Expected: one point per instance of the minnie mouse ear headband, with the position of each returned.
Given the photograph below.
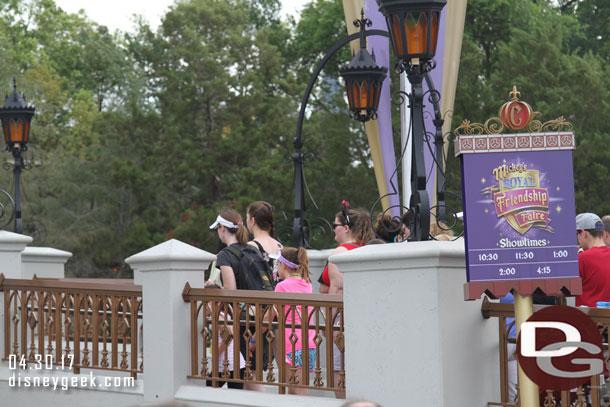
(344, 210)
(222, 221)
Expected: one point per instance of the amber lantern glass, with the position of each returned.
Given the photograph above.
(413, 27)
(16, 116)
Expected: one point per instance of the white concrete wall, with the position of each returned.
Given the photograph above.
(95, 394)
(45, 262)
(11, 246)
(198, 396)
(317, 261)
(411, 339)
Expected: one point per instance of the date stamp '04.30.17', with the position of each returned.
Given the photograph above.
(42, 372)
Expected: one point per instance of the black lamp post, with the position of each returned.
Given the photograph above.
(413, 26)
(365, 79)
(16, 117)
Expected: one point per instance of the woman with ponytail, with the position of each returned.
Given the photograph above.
(293, 270)
(352, 230)
(232, 232)
(260, 222)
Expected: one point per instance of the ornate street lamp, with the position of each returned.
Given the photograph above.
(363, 78)
(16, 117)
(413, 26)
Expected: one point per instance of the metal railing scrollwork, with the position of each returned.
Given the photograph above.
(266, 323)
(94, 325)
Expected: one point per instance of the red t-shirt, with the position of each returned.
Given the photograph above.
(594, 267)
(325, 278)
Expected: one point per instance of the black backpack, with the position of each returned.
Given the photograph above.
(254, 272)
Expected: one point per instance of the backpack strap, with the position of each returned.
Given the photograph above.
(260, 247)
(236, 252)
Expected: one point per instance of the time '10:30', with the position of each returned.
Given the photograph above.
(494, 256)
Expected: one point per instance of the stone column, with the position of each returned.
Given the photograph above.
(317, 261)
(410, 338)
(11, 246)
(45, 262)
(163, 271)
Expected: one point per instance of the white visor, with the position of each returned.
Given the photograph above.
(222, 221)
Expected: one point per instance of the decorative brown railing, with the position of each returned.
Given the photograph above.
(583, 396)
(219, 317)
(73, 324)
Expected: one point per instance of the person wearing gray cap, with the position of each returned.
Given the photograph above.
(593, 261)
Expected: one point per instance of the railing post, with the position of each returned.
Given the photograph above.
(409, 334)
(11, 246)
(163, 271)
(45, 262)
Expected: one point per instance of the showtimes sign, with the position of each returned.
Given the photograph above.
(519, 210)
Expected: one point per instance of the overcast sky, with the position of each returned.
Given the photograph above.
(118, 13)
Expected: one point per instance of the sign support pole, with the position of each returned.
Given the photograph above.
(528, 391)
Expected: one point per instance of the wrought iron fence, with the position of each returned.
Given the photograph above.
(594, 394)
(92, 325)
(277, 321)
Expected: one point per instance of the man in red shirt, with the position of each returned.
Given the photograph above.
(593, 261)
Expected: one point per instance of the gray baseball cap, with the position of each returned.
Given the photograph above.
(588, 220)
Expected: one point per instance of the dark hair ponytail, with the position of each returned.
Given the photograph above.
(262, 213)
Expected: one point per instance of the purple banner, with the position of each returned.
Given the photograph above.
(381, 47)
(519, 215)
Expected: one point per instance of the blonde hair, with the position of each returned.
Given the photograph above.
(298, 257)
(241, 233)
(440, 231)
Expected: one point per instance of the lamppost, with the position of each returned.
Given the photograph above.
(413, 30)
(16, 116)
(364, 79)
(413, 26)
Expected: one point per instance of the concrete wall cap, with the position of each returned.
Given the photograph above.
(171, 250)
(453, 250)
(46, 254)
(318, 255)
(230, 398)
(10, 237)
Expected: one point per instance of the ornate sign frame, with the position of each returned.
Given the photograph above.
(519, 210)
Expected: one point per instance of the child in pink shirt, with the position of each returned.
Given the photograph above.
(293, 270)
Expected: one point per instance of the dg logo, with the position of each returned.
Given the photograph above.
(560, 348)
